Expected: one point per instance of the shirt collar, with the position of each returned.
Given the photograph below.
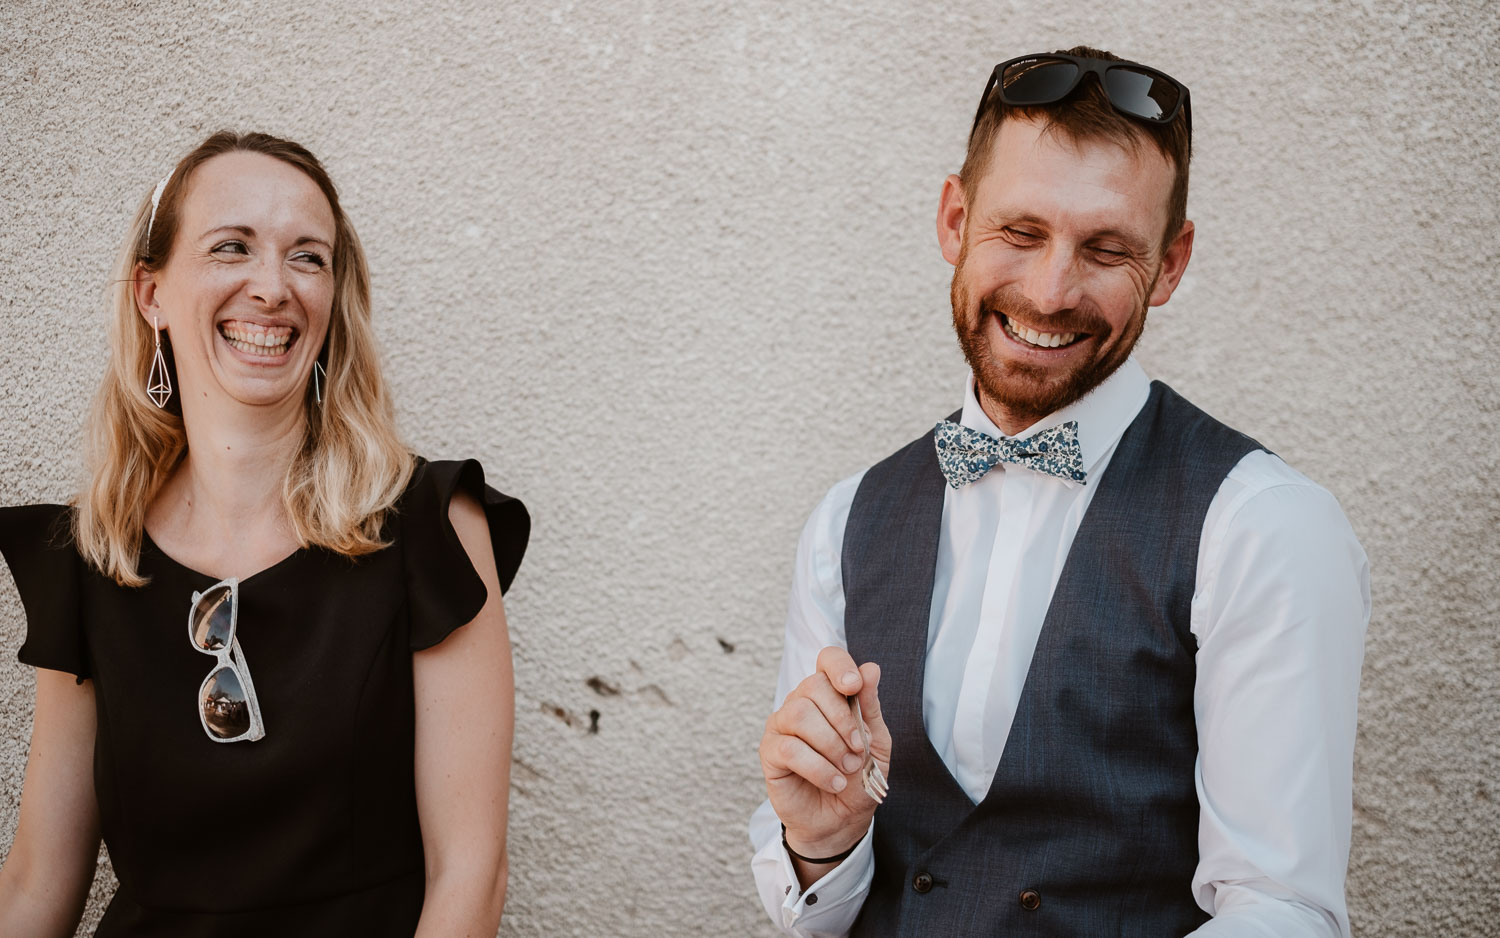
(1103, 414)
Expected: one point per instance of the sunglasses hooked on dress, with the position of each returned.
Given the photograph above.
(227, 706)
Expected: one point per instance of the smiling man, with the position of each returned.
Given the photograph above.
(1106, 649)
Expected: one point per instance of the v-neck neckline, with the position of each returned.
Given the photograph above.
(147, 542)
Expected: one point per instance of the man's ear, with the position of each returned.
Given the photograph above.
(950, 219)
(144, 286)
(1173, 263)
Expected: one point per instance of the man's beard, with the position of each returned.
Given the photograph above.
(1026, 392)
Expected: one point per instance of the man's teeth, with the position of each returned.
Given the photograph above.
(1039, 339)
(257, 340)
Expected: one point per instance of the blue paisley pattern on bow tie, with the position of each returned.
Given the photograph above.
(965, 454)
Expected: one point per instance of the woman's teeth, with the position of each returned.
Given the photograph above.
(1039, 339)
(257, 340)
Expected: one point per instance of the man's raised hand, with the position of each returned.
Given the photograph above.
(812, 753)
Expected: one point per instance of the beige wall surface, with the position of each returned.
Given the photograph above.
(669, 270)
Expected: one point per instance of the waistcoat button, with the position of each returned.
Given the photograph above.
(922, 882)
(1031, 900)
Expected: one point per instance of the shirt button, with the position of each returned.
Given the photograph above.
(812, 898)
(922, 882)
(1031, 900)
(787, 891)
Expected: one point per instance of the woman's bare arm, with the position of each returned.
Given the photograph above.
(47, 874)
(465, 699)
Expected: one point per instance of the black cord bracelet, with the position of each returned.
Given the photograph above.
(836, 858)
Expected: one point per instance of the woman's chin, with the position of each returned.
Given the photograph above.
(261, 390)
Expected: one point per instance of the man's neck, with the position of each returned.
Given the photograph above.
(1009, 421)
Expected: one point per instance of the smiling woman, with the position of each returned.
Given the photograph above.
(246, 475)
(262, 248)
(260, 231)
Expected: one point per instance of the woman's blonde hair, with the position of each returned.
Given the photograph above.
(352, 465)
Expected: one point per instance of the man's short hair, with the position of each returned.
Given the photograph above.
(1086, 114)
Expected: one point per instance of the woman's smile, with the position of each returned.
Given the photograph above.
(258, 341)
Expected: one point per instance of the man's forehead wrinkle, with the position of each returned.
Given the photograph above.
(1048, 211)
(1005, 215)
(1054, 136)
(1057, 135)
(1061, 135)
(1137, 144)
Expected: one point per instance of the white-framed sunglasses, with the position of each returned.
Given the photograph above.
(226, 701)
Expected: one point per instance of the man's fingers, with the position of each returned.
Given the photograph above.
(845, 679)
(785, 755)
(840, 669)
(805, 717)
(833, 706)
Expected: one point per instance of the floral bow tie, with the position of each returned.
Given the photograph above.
(965, 455)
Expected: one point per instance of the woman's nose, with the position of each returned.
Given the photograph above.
(268, 283)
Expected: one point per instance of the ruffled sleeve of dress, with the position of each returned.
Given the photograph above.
(444, 590)
(38, 548)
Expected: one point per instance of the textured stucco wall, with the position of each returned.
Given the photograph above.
(669, 270)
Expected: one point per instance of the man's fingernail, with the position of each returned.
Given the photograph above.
(852, 762)
(849, 678)
(839, 783)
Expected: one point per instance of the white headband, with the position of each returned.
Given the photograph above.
(155, 201)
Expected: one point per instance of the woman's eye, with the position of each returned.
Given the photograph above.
(229, 247)
(308, 257)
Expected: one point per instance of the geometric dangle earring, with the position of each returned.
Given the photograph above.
(158, 383)
(319, 378)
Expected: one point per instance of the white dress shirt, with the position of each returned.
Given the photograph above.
(1279, 611)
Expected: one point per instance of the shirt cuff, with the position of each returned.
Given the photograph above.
(827, 908)
(1263, 909)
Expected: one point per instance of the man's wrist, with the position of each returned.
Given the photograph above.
(834, 848)
(839, 857)
(823, 850)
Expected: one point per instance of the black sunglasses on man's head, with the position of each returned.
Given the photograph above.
(1133, 89)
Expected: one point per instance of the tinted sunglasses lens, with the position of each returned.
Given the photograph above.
(226, 709)
(213, 619)
(1141, 94)
(1037, 81)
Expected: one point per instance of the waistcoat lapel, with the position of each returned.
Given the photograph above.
(902, 537)
(1072, 617)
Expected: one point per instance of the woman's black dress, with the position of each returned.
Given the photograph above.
(313, 829)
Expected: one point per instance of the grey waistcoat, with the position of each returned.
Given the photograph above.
(1090, 826)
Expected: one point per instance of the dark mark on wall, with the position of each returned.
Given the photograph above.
(593, 721)
(560, 713)
(602, 687)
(727, 646)
(521, 770)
